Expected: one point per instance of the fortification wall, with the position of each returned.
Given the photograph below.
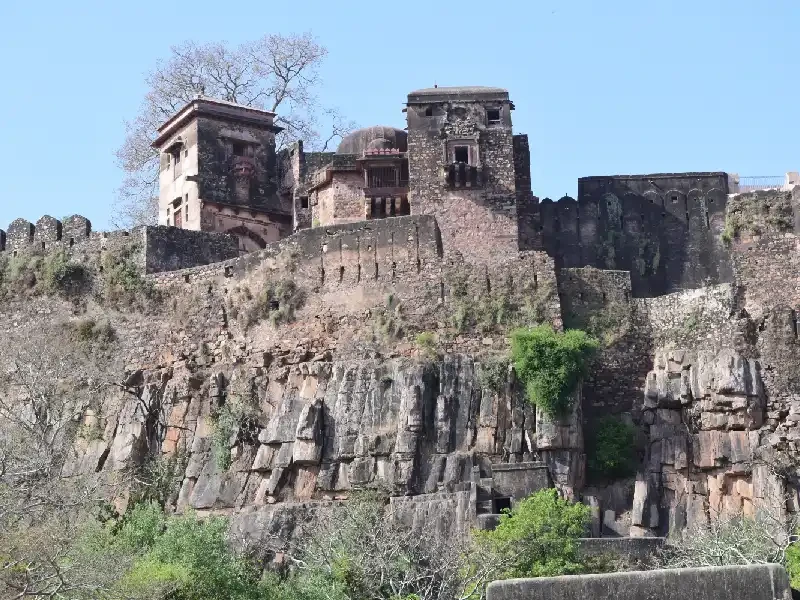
(157, 248)
(666, 232)
(601, 302)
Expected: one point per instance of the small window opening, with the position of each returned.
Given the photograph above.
(239, 149)
(176, 156)
(674, 199)
(43, 245)
(167, 216)
(274, 305)
(429, 111)
(493, 116)
(185, 152)
(502, 504)
(461, 154)
(304, 202)
(71, 242)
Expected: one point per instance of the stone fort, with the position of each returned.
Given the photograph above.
(435, 216)
(458, 160)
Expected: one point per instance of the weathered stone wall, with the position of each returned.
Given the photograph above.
(171, 249)
(664, 229)
(342, 200)
(216, 181)
(752, 582)
(762, 264)
(480, 222)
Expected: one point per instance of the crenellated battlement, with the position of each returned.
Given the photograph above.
(46, 234)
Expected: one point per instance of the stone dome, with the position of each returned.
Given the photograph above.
(372, 138)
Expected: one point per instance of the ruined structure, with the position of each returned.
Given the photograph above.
(298, 282)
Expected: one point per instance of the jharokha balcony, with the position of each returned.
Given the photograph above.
(461, 175)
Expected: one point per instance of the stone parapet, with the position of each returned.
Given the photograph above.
(751, 582)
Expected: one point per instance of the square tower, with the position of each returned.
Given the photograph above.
(218, 172)
(461, 168)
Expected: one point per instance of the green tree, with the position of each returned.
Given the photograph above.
(538, 537)
(611, 448)
(551, 363)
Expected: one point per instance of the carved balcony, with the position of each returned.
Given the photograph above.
(461, 175)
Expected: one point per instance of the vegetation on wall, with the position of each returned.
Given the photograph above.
(499, 308)
(228, 422)
(493, 372)
(611, 448)
(35, 273)
(388, 323)
(278, 301)
(122, 284)
(63, 276)
(426, 344)
(608, 323)
(551, 364)
(758, 213)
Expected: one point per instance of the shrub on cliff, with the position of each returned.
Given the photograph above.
(538, 537)
(551, 364)
(123, 285)
(611, 449)
(277, 301)
(62, 276)
(738, 539)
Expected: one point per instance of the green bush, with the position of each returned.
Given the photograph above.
(426, 344)
(538, 537)
(551, 364)
(792, 564)
(611, 449)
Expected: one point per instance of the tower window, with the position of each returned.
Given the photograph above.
(493, 116)
(239, 149)
(304, 202)
(429, 111)
(461, 154)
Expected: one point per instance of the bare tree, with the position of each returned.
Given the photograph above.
(736, 539)
(279, 73)
(46, 386)
(369, 551)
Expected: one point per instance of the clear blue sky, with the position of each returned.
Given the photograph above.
(621, 86)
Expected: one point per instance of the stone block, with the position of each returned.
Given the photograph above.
(751, 582)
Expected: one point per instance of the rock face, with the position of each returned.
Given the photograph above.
(320, 429)
(704, 412)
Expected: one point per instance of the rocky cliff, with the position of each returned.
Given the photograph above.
(278, 382)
